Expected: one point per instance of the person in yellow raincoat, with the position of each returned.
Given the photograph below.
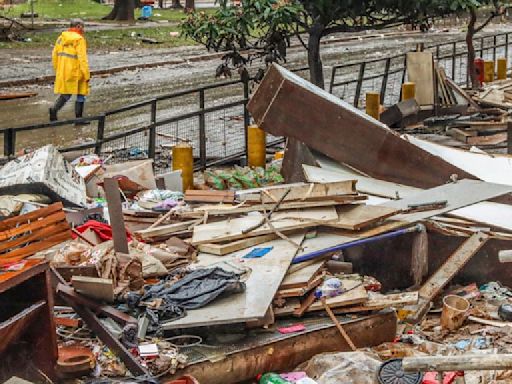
(71, 69)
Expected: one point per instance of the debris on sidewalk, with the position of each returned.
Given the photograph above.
(382, 260)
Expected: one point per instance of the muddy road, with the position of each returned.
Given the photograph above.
(131, 86)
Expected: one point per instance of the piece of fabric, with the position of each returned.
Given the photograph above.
(194, 290)
(292, 329)
(70, 63)
(104, 231)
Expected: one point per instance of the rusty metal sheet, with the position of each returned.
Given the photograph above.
(286, 105)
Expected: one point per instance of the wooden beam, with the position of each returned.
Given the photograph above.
(465, 362)
(115, 212)
(224, 249)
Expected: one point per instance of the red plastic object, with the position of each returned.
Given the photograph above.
(479, 67)
(292, 329)
(183, 380)
(448, 377)
(104, 231)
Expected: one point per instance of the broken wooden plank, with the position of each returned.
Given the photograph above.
(286, 105)
(420, 70)
(461, 135)
(377, 302)
(165, 230)
(226, 248)
(209, 196)
(452, 265)
(282, 221)
(263, 282)
(302, 277)
(465, 362)
(115, 212)
(361, 216)
(301, 192)
(301, 290)
(462, 93)
(354, 295)
(94, 287)
(496, 139)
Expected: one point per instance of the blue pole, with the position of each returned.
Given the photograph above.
(389, 235)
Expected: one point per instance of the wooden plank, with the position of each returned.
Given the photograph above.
(462, 93)
(452, 265)
(94, 287)
(224, 210)
(465, 362)
(361, 216)
(488, 140)
(29, 250)
(209, 196)
(302, 290)
(34, 235)
(115, 212)
(282, 221)
(302, 277)
(355, 295)
(365, 184)
(263, 282)
(31, 216)
(420, 70)
(224, 249)
(165, 230)
(377, 302)
(458, 195)
(35, 225)
(492, 323)
(461, 135)
(343, 132)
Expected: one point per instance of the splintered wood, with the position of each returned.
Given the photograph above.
(25, 235)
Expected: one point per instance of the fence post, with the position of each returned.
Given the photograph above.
(454, 54)
(333, 76)
(152, 131)
(247, 117)
(9, 142)
(506, 45)
(202, 131)
(495, 42)
(438, 49)
(100, 134)
(359, 85)
(385, 80)
(482, 47)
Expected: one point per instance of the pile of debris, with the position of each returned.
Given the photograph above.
(246, 274)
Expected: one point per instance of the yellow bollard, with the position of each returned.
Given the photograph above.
(502, 68)
(488, 71)
(408, 91)
(257, 146)
(278, 155)
(373, 104)
(182, 159)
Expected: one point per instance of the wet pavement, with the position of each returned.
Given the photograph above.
(119, 89)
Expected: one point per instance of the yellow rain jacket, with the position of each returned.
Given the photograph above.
(70, 64)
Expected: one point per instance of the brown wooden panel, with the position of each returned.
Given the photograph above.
(43, 212)
(37, 234)
(300, 110)
(52, 219)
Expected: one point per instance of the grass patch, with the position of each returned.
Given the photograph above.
(85, 9)
(108, 39)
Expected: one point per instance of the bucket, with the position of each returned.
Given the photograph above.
(147, 11)
(454, 313)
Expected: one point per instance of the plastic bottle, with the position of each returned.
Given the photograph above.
(272, 378)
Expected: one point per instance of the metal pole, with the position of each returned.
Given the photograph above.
(482, 47)
(385, 81)
(32, 12)
(247, 118)
(152, 131)
(454, 54)
(509, 137)
(100, 133)
(202, 131)
(495, 42)
(333, 76)
(362, 67)
(389, 235)
(9, 142)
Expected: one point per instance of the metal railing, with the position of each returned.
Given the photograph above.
(386, 75)
(216, 126)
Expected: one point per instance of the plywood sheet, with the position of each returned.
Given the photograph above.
(286, 220)
(286, 105)
(491, 168)
(493, 214)
(356, 217)
(420, 70)
(266, 275)
(457, 195)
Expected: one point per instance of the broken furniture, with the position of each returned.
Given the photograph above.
(27, 323)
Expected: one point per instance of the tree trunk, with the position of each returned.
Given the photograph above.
(176, 4)
(471, 49)
(316, 71)
(190, 5)
(124, 10)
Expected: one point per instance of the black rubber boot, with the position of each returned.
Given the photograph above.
(59, 103)
(79, 112)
